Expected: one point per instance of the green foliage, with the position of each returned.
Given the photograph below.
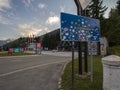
(113, 28)
(51, 40)
(21, 42)
(45, 41)
(95, 9)
(110, 28)
(38, 39)
(115, 50)
(118, 6)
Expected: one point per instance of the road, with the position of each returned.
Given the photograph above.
(39, 72)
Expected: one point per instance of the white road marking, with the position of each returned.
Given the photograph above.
(28, 68)
(19, 56)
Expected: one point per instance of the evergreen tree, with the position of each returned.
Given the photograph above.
(38, 39)
(95, 9)
(113, 27)
(45, 41)
(51, 40)
(118, 6)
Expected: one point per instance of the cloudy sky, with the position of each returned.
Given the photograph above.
(21, 18)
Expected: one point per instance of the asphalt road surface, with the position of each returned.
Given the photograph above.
(40, 72)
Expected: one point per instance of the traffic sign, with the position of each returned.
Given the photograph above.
(84, 3)
(79, 28)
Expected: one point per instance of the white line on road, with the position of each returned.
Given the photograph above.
(28, 68)
(19, 56)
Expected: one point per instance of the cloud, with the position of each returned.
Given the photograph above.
(62, 8)
(52, 13)
(44, 30)
(24, 26)
(47, 30)
(25, 30)
(42, 5)
(27, 2)
(52, 20)
(5, 4)
(4, 20)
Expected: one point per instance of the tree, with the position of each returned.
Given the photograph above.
(95, 9)
(113, 25)
(118, 6)
(38, 39)
(45, 41)
(51, 41)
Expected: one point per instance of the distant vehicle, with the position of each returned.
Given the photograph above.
(54, 51)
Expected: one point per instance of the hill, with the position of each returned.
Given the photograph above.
(24, 41)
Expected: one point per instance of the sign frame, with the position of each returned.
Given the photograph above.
(80, 28)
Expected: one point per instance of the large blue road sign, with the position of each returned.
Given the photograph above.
(78, 28)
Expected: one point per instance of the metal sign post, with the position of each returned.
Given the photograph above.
(86, 58)
(78, 28)
(79, 12)
(73, 65)
(79, 58)
(91, 63)
(81, 5)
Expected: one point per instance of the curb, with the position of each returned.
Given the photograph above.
(60, 79)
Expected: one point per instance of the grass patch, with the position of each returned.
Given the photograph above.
(14, 54)
(80, 83)
(114, 50)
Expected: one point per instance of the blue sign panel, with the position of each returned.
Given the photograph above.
(78, 28)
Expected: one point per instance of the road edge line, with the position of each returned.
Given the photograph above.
(62, 72)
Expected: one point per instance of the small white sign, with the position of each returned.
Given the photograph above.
(84, 3)
(94, 48)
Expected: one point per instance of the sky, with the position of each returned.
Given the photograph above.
(22, 18)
